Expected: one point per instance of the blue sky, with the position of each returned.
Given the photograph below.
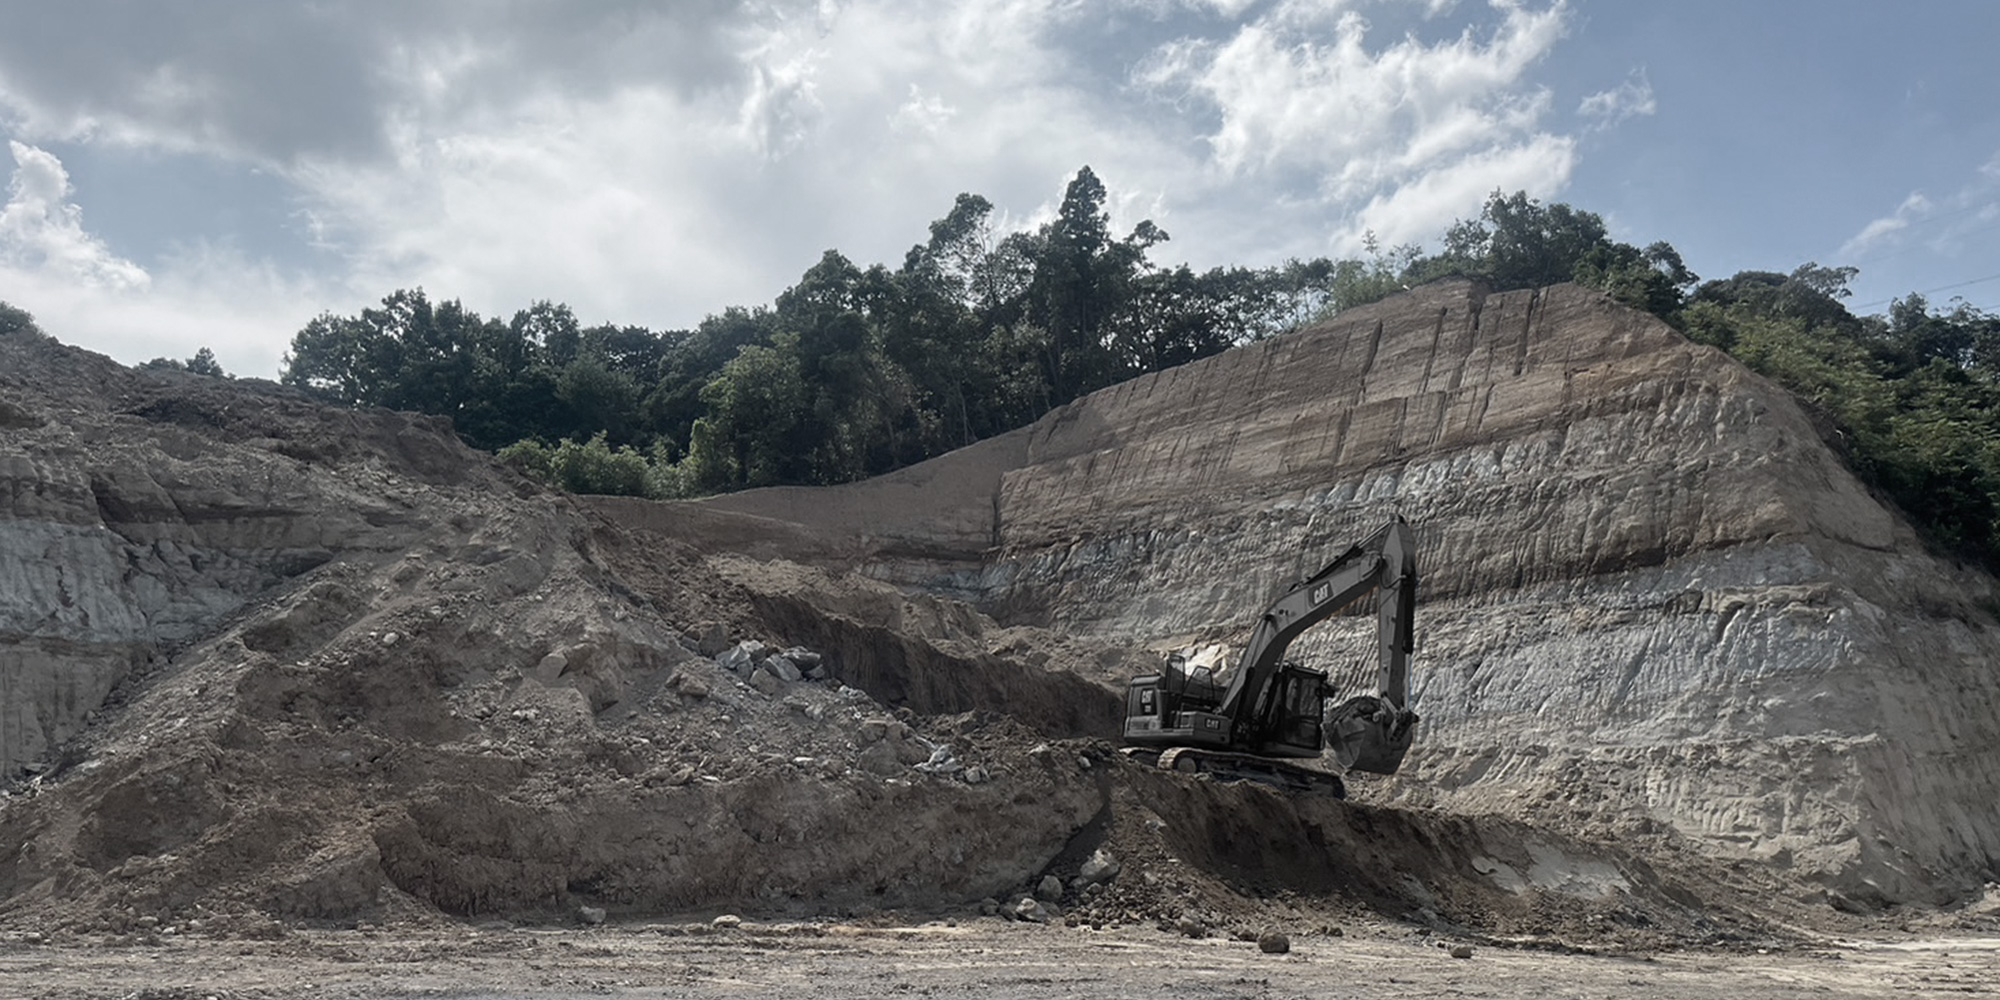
(213, 173)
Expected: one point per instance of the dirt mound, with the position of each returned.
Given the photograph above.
(485, 727)
(347, 670)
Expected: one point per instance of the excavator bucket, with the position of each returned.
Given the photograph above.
(1369, 734)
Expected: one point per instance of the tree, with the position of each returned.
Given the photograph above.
(1517, 242)
(597, 398)
(753, 433)
(15, 321)
(340, 357)
(405, 355)
(1081, 279)
(204, 363)
(690, 360)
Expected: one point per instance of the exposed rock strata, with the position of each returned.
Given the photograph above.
(124, 537)
(1654, 596)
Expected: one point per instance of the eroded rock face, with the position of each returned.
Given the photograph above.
(1654, 597)
(126, 532)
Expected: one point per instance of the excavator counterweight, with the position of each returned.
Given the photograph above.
(1272, 709)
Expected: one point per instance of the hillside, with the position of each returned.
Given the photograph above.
(1655, 602)
(271, 663)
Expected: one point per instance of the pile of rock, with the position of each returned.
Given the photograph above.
(886, 745)
(1043, 902)
(768, 668)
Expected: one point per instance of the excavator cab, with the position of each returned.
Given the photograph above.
(1175, 706)
(1301, 700)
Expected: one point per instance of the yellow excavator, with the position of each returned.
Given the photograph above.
(1272, 709)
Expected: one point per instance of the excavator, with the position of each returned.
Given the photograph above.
(1272, 709)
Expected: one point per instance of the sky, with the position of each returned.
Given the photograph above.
(211, 173)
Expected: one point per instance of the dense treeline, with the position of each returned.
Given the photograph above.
(855, 371)
(851, 372)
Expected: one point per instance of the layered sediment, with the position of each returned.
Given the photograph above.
(1655, 598)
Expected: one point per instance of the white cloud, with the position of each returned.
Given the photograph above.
(656, 207)
(1877, 230)
(652, 165)
(1296, 94)
(1418, 211)
(923, 112)
(77, 289)
(42, 231)
(782, 108)
(1943, 225)
(1631, 99)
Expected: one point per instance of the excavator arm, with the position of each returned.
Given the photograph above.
(1367, 732)
(1271, 708)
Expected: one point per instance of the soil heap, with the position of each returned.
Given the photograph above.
(269, 660)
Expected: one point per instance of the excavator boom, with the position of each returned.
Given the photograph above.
(1274, 708)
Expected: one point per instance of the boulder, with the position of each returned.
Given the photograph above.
(1101, 866)
(713, 641)
(739, 659)
(940, 761)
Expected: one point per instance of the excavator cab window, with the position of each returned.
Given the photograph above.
(1303, 698)
(1194, 686)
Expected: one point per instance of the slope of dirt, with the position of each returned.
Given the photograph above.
(448, 704)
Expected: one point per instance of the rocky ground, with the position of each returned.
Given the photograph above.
(967, 956)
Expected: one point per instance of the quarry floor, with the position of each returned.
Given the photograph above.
(981, 957)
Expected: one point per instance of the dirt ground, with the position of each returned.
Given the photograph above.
(967, 956)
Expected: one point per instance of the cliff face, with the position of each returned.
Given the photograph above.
(126, 534)
(1654, 598)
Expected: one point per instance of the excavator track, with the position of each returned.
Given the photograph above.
(1224, 766)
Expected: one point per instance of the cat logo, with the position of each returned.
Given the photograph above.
(1321, 593)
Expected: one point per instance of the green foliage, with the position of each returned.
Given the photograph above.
(591, 466)
(1357, 283)
(1517, 242)
(203, 363)
(14, 321)
(1915, 398)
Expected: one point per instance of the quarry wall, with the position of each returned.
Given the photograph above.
(1654, 596)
